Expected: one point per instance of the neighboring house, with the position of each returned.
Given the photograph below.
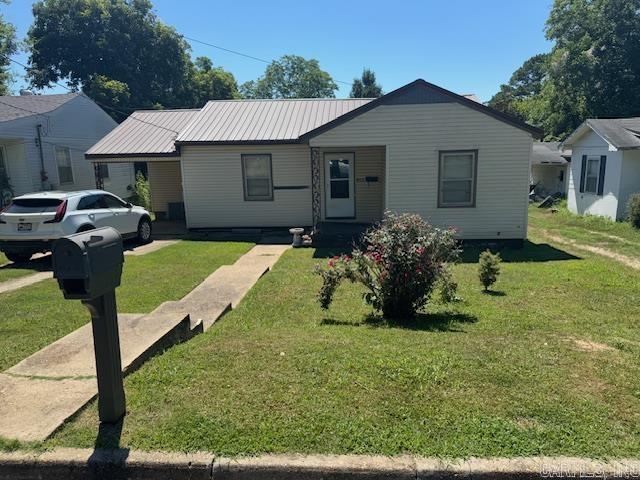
(549, 168)
(43, 139)
(304, 162)
(605, 166)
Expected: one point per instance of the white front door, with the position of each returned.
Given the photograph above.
(340, 198)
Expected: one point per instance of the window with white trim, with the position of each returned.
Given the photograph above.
(257, 178)
(457, 178)
(592, 175)
(3, 163)
(63, 161)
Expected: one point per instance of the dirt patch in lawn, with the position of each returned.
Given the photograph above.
(589, 346)
(624, 259)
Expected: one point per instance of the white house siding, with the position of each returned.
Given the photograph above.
(629, 181)
(165, 182)
(78, 124)
(414, 135)
(605, 205)
(214, 193)
(369, 162)
(17, 168)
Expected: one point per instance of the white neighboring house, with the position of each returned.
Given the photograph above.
(605, 166)
(43, 139)
(549, 168)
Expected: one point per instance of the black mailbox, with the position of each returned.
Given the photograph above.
(88, 264)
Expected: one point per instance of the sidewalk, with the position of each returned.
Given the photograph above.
(42, 391)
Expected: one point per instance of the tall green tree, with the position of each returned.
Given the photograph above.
(119, 53)
(366, 86)
(593, 69)
(291, 77)
(8, 46)
(210, 83)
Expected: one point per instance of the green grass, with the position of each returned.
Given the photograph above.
(495, 375)
(12, 271)
(34, 316)
(619, 237)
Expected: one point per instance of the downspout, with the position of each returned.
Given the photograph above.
(43, 172)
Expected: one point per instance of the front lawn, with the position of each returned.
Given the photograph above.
(34, 316)
(549, 364)
(618, 237)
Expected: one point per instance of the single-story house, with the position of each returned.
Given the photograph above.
(605, 166)
(305, 162)
(43, 139)
(549, 168)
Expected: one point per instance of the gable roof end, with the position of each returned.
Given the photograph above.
(431, 94)
(13, 107)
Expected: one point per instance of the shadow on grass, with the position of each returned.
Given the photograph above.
(494, 293)
(529, 252)
(40, 264)
(429, 322)
(108, 459)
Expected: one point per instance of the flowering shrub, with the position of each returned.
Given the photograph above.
(400, 263)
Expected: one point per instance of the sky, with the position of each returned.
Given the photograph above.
(462, 45)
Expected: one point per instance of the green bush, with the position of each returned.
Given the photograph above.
(142, 192)
(489, 268)
(633, 208)
(6, 190)
(400, 263)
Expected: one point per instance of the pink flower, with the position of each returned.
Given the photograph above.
(332, 263)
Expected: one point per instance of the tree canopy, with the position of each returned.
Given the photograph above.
(593, 69)
(291, 77)
(8, 46)
(119, 53)
(366, 86)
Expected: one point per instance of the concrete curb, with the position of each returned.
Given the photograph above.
(70, 463)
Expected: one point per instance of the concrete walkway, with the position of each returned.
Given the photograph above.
(42, 391)
(154, 246)
(17, 283)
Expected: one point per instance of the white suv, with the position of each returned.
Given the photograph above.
(31, 222)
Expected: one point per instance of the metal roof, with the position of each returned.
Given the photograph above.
(263, 121)
(144, 133)
(13, 107)
(622, 133)
(548, 153)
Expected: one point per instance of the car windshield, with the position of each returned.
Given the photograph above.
(33, 205)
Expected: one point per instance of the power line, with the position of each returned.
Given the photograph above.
(246, 55)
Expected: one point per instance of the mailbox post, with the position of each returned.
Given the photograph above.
(88, 267)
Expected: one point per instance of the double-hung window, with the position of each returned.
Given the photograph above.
(457, 178)
(103, 171)
(592, 175)
(63, 160)
(257, 177)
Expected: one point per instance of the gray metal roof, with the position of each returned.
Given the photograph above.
(623, 133)
(548, 153)
(231, 121)
(13, 107)
(145, 132)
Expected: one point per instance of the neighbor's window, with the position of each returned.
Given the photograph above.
(103, 171)
(457, 178)
(592, 175)
(63, 160)
(3, 163)
(256, 173)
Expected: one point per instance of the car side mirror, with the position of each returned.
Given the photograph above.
(129, 205)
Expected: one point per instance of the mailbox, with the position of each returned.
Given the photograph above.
(88, 264)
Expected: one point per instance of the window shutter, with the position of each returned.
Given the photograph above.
(583, 173)
(603, 167)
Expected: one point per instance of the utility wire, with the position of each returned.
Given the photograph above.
(235, 52)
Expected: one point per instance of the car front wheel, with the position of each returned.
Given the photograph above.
(144, 231)
(18, 257)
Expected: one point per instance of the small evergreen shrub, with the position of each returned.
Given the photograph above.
(633, 207)
(400, 263)
(6, 190)
(489, 268)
